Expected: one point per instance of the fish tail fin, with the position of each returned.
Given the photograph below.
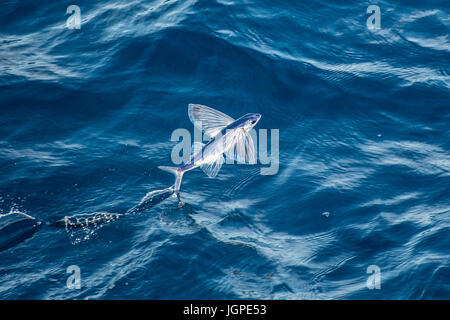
(178, 176)
(178, 179)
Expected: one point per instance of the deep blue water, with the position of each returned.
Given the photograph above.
(364, 166)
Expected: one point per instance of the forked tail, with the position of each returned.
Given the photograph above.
(178, 176)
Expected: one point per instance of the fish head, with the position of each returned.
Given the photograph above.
(248, 121)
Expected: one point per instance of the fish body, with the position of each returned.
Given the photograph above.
(227, 136)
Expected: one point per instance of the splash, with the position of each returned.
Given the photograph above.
(83, 227)
(151, 199)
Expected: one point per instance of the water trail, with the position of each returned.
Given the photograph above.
(17, 226)
(82, 227)
(87, 220)
(97, 219)
(242, 182)
(151, 199)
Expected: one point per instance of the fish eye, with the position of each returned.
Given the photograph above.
(254, 121)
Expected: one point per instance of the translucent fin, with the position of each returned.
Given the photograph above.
(172, 170)
(212, 168)
(211, 120)
(241, 147)
(178, 176)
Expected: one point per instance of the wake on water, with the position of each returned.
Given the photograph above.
(82, 227)
(17, 226)
(95, 219)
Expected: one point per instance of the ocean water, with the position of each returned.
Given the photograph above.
(363, 188)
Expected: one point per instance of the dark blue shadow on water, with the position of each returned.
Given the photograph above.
(16, 227)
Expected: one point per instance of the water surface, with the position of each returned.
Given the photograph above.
(364, 175)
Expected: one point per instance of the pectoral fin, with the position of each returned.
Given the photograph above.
(212, 168)
(241, 147)
(210, 120)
